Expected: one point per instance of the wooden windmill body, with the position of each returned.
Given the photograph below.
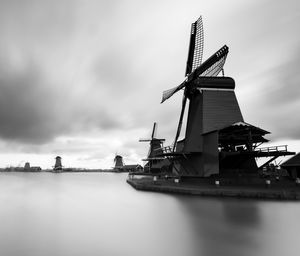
(211, 107)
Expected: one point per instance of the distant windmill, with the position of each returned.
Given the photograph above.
(27, 166)
(119, 164)
(156, 145)
(195, 69)
(58, 166)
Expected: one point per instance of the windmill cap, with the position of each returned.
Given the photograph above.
(214, 82)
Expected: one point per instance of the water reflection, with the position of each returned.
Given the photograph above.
(99, 214)
(240, 227)
(243, 214)
(223, 226)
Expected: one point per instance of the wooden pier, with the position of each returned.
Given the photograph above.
(266, 189)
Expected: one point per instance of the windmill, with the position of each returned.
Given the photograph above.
(58, 166)
(212, 105)
(119, 164)
(217, 140)
(154, 161)
(195, 69)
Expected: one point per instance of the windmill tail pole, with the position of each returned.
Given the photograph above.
(180, 121)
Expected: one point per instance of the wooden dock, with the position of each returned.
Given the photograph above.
(278, 191)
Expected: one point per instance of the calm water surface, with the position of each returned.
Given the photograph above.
(99, 214)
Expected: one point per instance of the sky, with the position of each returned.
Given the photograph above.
(84, 79)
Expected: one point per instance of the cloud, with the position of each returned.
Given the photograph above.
(28, 108)
(274, 99)
(33, 110)
(40, 62)
(284, 88)
(86, 79)
(263, 60)
(282, 98)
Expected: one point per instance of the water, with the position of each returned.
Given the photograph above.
(90, 214)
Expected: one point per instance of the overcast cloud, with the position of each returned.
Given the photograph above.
(83, 79)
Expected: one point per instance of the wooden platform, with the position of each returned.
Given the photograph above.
(278, 191)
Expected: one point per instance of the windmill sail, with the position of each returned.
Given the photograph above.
(194, 55)
(211, 67)
(196, 47)
(154, 130)
(199, 43)
(168, 93)
(215, 69)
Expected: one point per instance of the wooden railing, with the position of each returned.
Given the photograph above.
(281, 148)
(167, 149)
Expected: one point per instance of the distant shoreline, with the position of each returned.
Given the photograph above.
(63, 171)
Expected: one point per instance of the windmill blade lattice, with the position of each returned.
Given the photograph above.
(213, 65)
(168, 93)
(216, 68)
(199, 43)
(196, 47)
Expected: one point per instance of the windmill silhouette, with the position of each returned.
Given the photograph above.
(155, 162)
(119, 164)
(212, 105)
(217, 140)
(58, 165)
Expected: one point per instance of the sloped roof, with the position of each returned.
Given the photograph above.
(239, 133)
(244, 124)
(293, 161)
(241, 124)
